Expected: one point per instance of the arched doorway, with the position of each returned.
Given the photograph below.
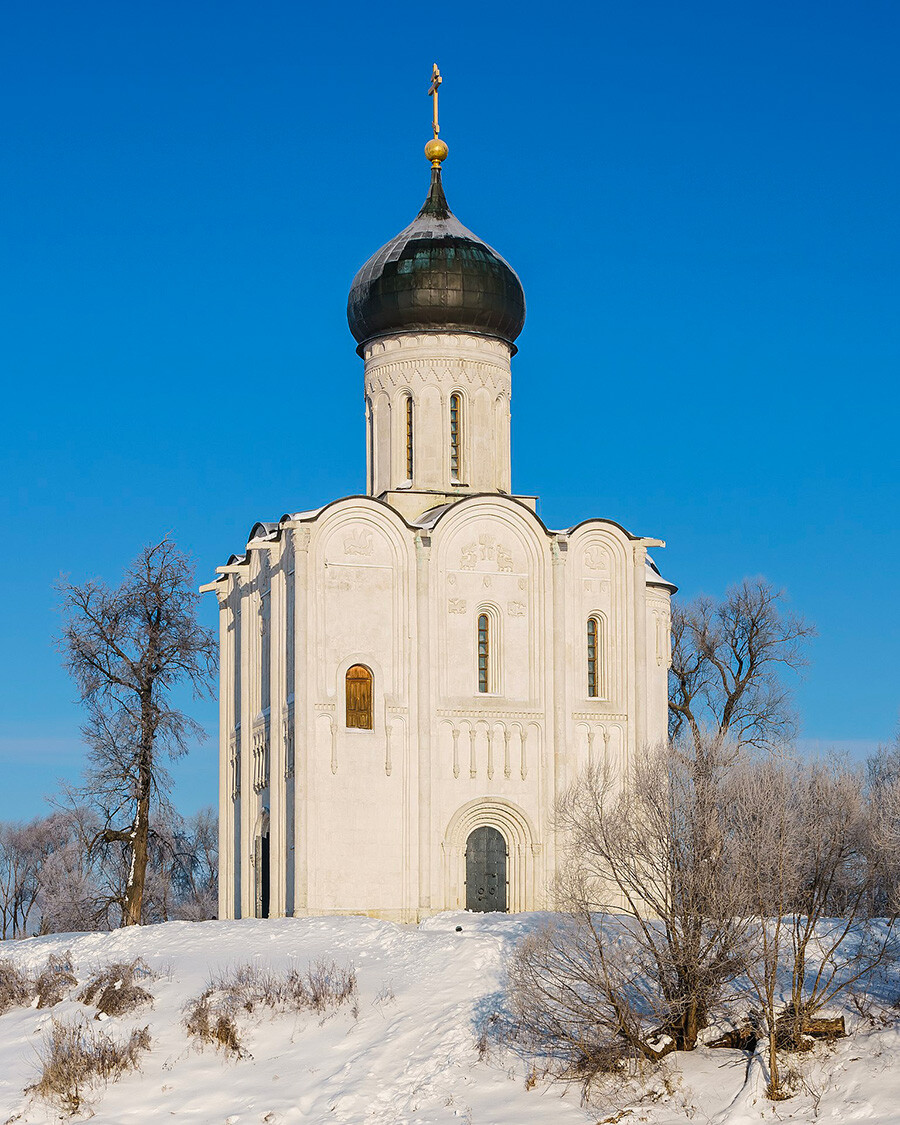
(263, 877)
(486, 856)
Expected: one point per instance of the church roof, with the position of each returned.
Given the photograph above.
(436, 275)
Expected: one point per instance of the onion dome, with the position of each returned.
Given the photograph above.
(436, 276)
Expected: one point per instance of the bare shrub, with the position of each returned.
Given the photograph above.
(114, 989)
(76, 1058)
(212, 1017)
(215, 1027)
(55, 980)
(16, 988)
(572, 1005)
(653, 916)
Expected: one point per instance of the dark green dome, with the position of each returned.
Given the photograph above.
(436, 275)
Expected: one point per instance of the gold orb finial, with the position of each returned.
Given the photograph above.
(435, 150)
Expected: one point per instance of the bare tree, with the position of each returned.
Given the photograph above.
(725, 682)
(839, 868)
(883, 798)
(195, 870)
(806, 867)
(653, 933)
(126, 649)
(24, 848)
(764, 805)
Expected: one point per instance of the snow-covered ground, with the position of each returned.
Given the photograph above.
(410, 1056)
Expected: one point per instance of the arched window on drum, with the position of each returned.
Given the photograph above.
(456, 424)
(359, 697)
(408, 423)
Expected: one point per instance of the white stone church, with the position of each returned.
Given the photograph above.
(410, 677)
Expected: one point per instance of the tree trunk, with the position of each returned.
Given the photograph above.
(132, 914)
(134, 889)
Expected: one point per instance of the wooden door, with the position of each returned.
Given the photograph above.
(359, 697)
(486, 871)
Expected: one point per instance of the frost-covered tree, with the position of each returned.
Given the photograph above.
(127, 648)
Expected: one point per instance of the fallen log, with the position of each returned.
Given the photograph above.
(745, 1036)
(821, 1027)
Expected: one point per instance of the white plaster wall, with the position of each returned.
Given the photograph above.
(381, 816)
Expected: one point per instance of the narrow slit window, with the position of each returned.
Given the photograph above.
(455, 436)
(593, 682)
(409, 437)
(359, 697)
(484, 652)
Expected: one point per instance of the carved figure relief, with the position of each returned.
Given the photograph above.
(516, 609)
(468, 557)
(596, 558)
(359, 543)
(456, 605)
(486, 543)
(504, 558)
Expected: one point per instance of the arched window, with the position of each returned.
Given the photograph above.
(592, 657)
(456, 437)
(484, 652)
(596, 679)
(359, 697)
(409, 437)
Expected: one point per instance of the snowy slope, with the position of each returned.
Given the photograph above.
(409, 1057)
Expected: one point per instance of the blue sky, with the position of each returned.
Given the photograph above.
(701, 200)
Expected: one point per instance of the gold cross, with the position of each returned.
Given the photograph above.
(436, 80)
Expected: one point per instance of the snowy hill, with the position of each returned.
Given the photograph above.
(409, 1055)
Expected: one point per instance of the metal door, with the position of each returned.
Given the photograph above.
(486, 870)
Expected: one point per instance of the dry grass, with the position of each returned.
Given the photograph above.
(212, 1017)
(52, 983)
(55, 981)
(76, 1058)
(16, 989)
(114, 989)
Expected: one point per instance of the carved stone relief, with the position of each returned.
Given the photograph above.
(359, 543)
(596, 558)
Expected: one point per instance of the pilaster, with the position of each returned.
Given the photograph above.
(304, 733)
(422, 664)
(277, 703)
